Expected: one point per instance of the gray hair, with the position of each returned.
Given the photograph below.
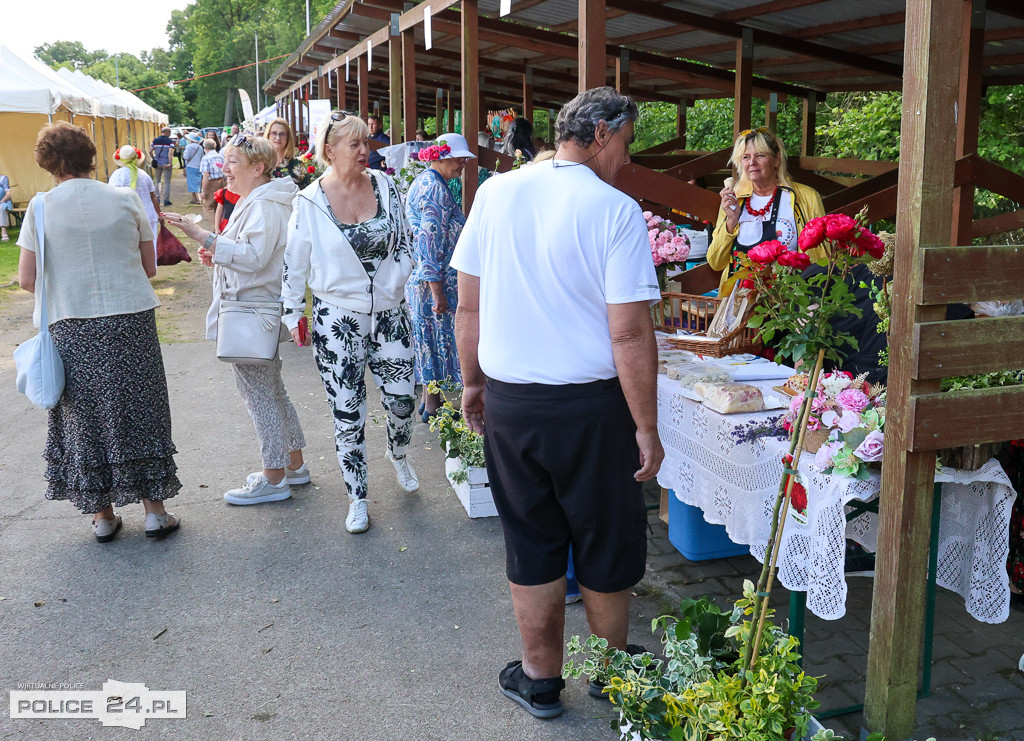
(578, 119)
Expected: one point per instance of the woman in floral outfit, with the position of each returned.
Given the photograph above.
(436, 222)
(301, 171)
(1015, 563)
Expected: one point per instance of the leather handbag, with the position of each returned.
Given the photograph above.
(40, 371)
(248, 332)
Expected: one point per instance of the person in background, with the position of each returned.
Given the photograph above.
(130, 175)
(226, 201)
(568, 410)
(212, 171)
(279, 133)
(763, 205)
(160, 152)
(180, 142)
(375, 127)
(108, 441)
(193, 157)
(422, 136)
(520, 139)
(349, 241)
(6, 204)
(436, 221)
(211, 136)
(248, 262)
(234, 130)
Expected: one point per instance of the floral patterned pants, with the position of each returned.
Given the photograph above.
(346, 342)
(273, 415)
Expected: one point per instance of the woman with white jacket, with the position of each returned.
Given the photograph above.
(248, 262)
(348, 239)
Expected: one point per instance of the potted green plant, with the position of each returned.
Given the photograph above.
(701, 691)
(464, 463)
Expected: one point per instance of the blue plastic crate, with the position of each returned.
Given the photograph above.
(695, 537)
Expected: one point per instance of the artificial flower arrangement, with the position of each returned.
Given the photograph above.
(433, 153)
(669, 246)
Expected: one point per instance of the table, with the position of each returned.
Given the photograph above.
(736, 484)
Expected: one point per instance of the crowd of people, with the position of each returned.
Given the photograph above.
(538, 305)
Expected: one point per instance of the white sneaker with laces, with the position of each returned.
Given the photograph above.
(258, 490)
(404, 473)
(296, 477)
(358, 521)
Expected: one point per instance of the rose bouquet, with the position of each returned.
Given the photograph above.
(669, 246)
(433, 153)
(838, 393)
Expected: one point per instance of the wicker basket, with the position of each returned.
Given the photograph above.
(688, 309)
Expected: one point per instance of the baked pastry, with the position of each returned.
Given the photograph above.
(798, 383)
(731, 398)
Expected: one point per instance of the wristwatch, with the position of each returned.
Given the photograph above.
(209, 241)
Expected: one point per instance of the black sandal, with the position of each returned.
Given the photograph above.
(538, 696)
(596, 689)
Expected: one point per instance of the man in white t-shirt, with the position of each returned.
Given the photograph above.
(559, 365)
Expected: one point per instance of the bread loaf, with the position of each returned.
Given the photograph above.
(731, 398)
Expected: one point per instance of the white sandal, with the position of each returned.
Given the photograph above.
(157, 526)
(105, 529)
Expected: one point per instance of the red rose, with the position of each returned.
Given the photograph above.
(812, 235)
(766, 252)
(798, 497)
(840, 227)
(798, 260)
(870, 243)
(311, 169)
(747, 283)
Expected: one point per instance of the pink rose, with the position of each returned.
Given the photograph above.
(823, 458)
(840, 227)
(647, 215)
(812, 234)
(845, 421)
(871, 449)
(766, 252)
(852, 399)
(797, 260)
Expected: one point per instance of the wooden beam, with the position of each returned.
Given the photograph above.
(593, 70)
(771, 110)
(927, 163)
(743, 84)
(528, 94)
(395, 85)
(969, 417)
(808, 125)
(757, 11)
(470, 92)
(969, 274)
(845, 166)
(1000, 224)
(969, 347)
(701, 166)
(843, 200)
(342, 90)
(681, 122)
(408, 86)
(656, 187)
(362, 69)
(622, 72)
(969, 111)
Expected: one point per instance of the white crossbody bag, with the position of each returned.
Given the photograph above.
(40, 371)
(248, 332)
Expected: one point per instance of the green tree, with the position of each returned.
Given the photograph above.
(70, 54)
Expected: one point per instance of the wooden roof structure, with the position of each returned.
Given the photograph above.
(940, 53)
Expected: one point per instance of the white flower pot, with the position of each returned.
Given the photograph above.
(475, 492)
(813, 727)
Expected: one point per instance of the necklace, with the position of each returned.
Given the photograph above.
(759, 212)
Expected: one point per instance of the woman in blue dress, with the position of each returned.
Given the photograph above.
(436, 222)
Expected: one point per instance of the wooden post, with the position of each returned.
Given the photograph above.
(409, 85)
(302, 104)
(364, 86)
(394, 83)
(809, 123)
(969, 107)
(470, 93)
(744, 82)
(771, 109)
(439, 113)
(927, 145)
(342, 89)
(622, 72)
(681, 122)
(551, 126)
(528, 94)
(451, 113)
(592, 55)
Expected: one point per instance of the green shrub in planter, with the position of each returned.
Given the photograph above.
(699, 691)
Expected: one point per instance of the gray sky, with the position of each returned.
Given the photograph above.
(25, 25)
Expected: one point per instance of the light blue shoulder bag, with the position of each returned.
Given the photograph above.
(40, 372)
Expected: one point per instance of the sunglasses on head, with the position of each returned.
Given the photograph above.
(336, 116)
(752, 132)
(239, 140)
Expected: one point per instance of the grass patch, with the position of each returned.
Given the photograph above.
(9, 256)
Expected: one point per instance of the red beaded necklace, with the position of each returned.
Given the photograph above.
(757, 212)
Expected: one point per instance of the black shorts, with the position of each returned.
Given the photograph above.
(561, 461)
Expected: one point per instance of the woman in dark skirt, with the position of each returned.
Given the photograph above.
(109, 439)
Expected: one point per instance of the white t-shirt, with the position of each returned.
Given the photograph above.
(553, 245)
(122, 178)
(785, 224)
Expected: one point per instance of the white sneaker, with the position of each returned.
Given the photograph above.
(258, 490)
(358, 521)
(404, 473)
(298, 477)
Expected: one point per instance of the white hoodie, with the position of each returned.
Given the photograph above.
(319, 254)
(249, 256)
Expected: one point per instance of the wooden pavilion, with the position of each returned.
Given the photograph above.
(484, 54)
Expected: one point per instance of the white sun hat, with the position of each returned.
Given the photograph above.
(458, 145)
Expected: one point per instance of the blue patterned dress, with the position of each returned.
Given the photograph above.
(436, 221)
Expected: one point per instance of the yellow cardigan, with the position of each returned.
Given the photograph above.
(807, 205)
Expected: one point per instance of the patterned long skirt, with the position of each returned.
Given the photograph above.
(434, 335)
(109, 438)
(1014, 465)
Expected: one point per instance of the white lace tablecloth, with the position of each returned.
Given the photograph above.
(736, 485)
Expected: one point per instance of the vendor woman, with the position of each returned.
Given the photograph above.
(763, 205)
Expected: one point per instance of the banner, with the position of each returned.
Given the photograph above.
(247, 114)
